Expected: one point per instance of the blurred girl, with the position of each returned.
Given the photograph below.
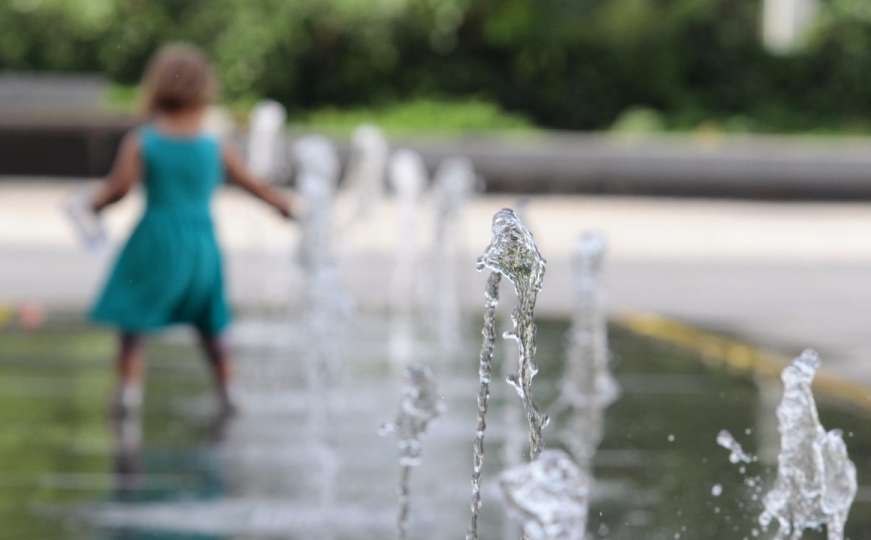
(170, 269)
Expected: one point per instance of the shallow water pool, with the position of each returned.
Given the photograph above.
(279, 471)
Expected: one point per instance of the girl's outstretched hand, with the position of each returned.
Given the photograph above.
(284, 207)
(240, 175)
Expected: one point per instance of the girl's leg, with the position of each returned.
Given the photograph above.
(128, 394)
(218, 356)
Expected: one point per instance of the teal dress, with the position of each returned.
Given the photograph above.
(170, 269)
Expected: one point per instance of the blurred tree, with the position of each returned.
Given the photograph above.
(563, 63)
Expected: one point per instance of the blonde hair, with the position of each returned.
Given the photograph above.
(178, 77)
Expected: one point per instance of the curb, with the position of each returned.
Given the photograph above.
(721, 352)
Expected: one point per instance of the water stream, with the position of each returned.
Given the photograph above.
(327, 306)
(266, 141)
(485, 369)
(588, 387)
(549, 495)
(816, 481)
(454, 182)
(364, 179)
(512, 253)
(419, 405)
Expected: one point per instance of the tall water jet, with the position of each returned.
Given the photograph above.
(364, 179)
(267, 159)
(327, 306)
(514, 434)
(326, 298)
(454, 182)
(316, 182)
(408, 179)
(419, 405)
(512, 253)
(588, 385)
(816, 481)
(549, 496)
(266, 141)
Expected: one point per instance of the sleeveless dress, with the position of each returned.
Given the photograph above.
(170, 269)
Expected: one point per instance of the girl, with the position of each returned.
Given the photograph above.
(170, 269)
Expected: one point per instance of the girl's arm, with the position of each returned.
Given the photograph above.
(239, 175)
(124, 174)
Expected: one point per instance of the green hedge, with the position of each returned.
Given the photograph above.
(576, 64)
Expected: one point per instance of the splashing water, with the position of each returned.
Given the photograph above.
(512, 252)
(418, 406)
(364, 180)
(266, 142)
(736, 451)
(589, 387)
(485, 368)
(549, 496)
(408, 178)
(454, 181)
(514, 439)
(816, 481)
(317, 184)
(327, 305)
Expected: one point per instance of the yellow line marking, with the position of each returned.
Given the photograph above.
(721, 351)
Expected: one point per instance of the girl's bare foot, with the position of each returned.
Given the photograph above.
(227, 403)
(126, 400)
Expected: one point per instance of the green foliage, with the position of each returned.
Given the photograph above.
(639, 120)
(420, 115)
(575, 64)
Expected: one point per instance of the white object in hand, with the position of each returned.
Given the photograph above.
(87, 224)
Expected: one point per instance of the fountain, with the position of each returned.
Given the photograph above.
(736, 451)
(816, 481)
(266, 141)
(549, 496)
(513, 440)
(408, 179)
(588, 387)
(267, 160)
(327, 306)
(454, 181)
(512, 252)
(419, 403)
(418, 406)
(364, 180)
(316, 183)
(324, 301)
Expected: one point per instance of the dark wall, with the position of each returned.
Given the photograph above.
(58, 148)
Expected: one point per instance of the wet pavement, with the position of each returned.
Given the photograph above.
(180, 472)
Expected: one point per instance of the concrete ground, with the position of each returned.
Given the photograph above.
(783, 275)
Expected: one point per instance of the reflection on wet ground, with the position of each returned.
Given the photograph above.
(276, 471)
